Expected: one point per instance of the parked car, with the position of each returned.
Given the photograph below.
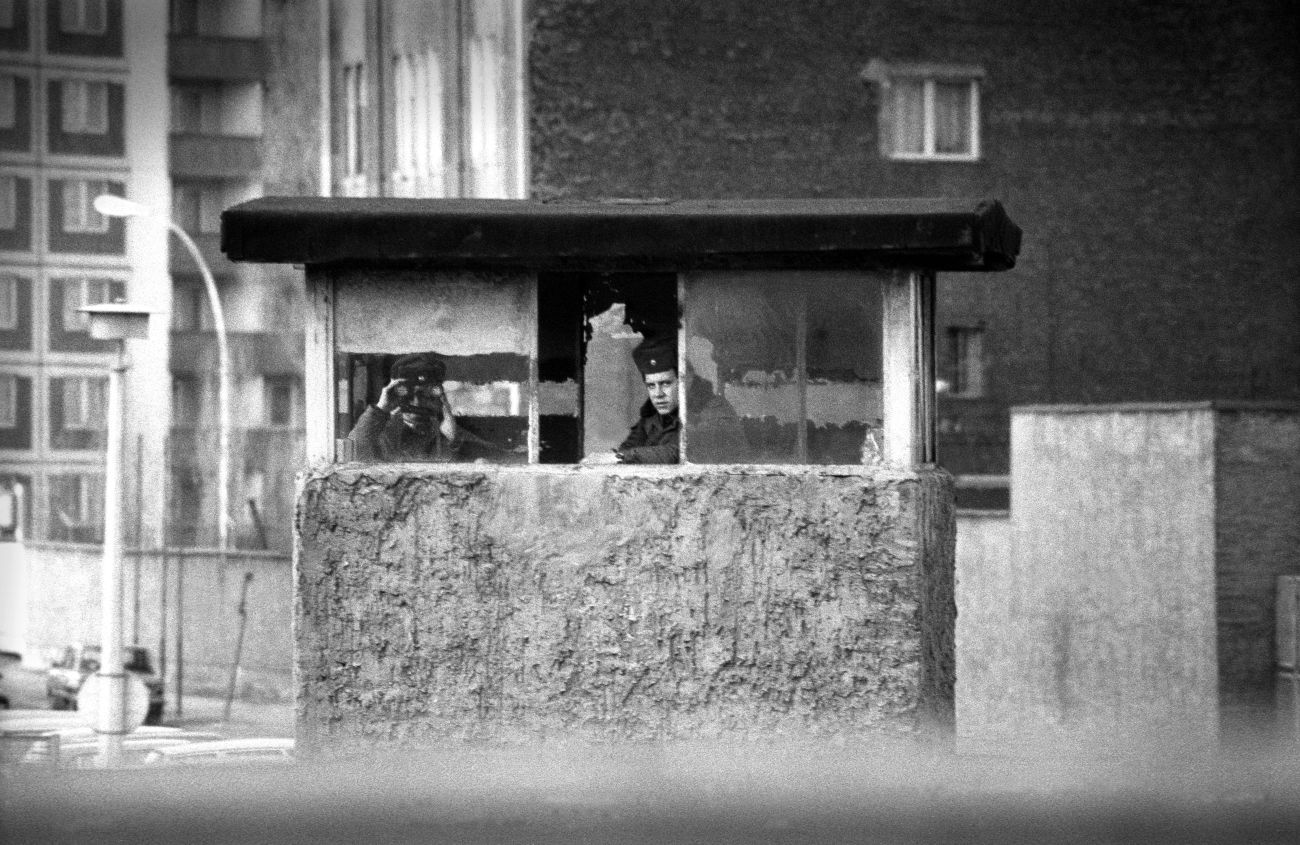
(261, 750)
(78, 662)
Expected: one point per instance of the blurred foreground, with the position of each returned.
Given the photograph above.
(889, 792)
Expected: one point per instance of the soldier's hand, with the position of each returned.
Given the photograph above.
(390, 398)
(448, 424)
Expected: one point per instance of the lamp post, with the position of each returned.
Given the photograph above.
(118, 322)
(111, 205)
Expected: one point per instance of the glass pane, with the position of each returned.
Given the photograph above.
(435, 367)
(909, 116)
(782, 368)
(952, 117)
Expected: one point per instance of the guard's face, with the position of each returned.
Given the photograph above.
(662, 388)
(421, 405)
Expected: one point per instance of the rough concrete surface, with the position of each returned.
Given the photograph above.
(510, 603)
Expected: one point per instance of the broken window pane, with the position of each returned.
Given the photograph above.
(783, 368)
(435, 367)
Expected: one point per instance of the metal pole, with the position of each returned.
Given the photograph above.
(239, 645)
(223, 388)
(111, 721)
(139, 538)
(180, 632)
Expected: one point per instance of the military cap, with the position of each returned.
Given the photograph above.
(656, 355)
(420, 366)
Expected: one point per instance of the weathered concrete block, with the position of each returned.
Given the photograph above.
(1136, 606)
(513, 603)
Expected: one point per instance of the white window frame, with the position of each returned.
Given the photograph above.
(8, 201)
(83, 17)
(79, 214)
(85, 107)
(8, 400)
(886, 75)
(8, 302)
(8, 101)
(78, 296)
(84, 397)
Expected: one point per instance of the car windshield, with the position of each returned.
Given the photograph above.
(134, 659)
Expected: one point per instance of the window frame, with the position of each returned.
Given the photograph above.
(9, 403)
(8, 202)
(84, 106)
(75, 17)
(85, 420)
(9, 307)
(887, 75)
(9, 101)
(87, 220)
(73, 319)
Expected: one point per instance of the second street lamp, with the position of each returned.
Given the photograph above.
(111, 205)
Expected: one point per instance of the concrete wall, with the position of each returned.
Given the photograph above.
(1134, 603)
(63, 606)
(510, 603)
(1257, 537)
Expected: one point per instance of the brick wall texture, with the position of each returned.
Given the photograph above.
(1148, 151)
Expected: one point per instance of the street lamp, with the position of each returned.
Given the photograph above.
(111, 205)
(118, 322)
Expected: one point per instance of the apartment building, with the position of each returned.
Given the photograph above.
(162, 103)
(78, 118)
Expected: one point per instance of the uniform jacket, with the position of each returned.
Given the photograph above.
(384, 437)
(652, 439)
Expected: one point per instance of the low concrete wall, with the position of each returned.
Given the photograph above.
(1134, 605)
(983, 557)
(525, 603)
(182, 604)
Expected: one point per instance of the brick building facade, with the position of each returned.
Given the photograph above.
(1148, 150)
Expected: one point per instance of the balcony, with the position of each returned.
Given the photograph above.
(215, 156)
(216, 58)
(274, 351)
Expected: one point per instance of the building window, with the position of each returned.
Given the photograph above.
(85, 107)
(83, 17)
(8, 302)
(84, 401)
(419, 122)
(77, 294)
(277, 400)
(196, 206)
(354, 96)
(76, 508)
(8, 401)
(186, 398)
(966, 372)
(8, 202)
(8, 101)
(79, 214)
(928, 112)
(196, 109)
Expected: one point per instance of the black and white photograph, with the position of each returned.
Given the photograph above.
(649, 421)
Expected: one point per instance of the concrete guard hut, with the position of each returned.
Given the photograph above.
(791, 575)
